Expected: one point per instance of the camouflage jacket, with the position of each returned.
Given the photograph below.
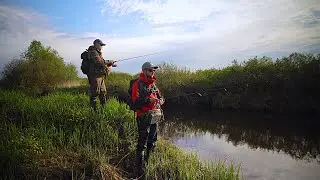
(98, 65)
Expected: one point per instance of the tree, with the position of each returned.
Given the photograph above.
(39, 69)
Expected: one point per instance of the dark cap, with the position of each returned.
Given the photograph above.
(98, 41)
(148, 65)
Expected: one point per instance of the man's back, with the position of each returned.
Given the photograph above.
(97, 66)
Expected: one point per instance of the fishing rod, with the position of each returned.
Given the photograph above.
(139, 56)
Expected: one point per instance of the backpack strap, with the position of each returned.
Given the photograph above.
(142, 89)
(143, 86)
(157, 90)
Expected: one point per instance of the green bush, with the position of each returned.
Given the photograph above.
(281, 85)
(39, 69)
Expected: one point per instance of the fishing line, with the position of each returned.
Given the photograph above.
(140, 56)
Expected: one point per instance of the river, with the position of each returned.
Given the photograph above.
(266, 146)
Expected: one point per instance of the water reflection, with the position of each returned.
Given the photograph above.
(267, 146)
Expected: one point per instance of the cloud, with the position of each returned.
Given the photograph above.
(229, 26)
(170, 11)
(198, 34)
(18, 29)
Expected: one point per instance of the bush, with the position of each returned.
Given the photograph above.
(288, 84)
(38, 70)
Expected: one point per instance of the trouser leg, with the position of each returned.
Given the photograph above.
(93, 91)
(151, 141)
(102, 98)
(102, 91)
(143, 128)
(97, 88)
(93, 102)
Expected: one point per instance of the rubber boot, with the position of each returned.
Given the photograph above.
(93, 104)
(148, 152)
(140, 165)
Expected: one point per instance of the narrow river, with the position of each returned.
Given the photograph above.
(267, 147)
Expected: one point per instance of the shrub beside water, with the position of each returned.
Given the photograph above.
(288, 84)
(281, 85)
(59, 136)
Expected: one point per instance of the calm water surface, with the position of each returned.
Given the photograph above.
(265, 148)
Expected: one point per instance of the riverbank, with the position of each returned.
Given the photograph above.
(57, 136)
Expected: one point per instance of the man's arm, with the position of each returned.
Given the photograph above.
(136, 98)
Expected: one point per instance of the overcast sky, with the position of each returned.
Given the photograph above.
(194, 33)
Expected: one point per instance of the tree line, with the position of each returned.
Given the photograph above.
(287, 84)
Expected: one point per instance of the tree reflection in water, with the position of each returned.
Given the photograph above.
(294, 136)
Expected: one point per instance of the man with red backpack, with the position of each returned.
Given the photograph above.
(147, 101)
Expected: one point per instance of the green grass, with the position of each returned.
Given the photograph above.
(58, 136)
(170, 162)
(117, 84)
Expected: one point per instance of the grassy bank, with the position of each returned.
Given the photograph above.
(57, 136)
(289, 84)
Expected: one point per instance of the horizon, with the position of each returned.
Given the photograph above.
(202, 35)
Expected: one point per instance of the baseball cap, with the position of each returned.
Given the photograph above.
(149, 65)
(99, 42)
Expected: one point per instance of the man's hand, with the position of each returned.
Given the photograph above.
(153, 100)
(111, 63)
(161, 101)
(108, 69)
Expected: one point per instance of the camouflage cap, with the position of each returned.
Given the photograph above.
(149, 65)
(98, 41)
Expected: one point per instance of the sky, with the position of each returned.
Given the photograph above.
(196, 34)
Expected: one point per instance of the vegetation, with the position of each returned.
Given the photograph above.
(117, 84)
(40, 69)
(58, 136)
(288, 84)
(282, 85)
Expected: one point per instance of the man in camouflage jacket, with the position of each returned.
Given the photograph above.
(98, 70)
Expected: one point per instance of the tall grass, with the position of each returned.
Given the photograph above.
(281, 85)
(288, 84)
(58, 136)
(62, 123)
(117, 84)
(169, 163)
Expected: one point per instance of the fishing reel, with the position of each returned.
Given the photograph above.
(110, 63)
